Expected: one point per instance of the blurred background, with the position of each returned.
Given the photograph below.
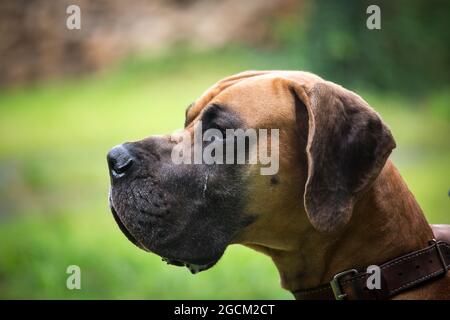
(68, 96)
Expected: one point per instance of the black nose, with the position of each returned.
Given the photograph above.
(119, 161)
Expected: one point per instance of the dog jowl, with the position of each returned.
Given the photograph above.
(327, 183)
(186, 212)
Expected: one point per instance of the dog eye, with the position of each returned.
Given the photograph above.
(218, 127)
(215, 132)
(218, 138)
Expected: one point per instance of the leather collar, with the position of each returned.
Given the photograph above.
(397, 275)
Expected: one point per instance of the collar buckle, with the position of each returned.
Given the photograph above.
(435, 243)
(336, 286)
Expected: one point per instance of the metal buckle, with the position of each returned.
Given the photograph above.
(435, 244)
(336, 286)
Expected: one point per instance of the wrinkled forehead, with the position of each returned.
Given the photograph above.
(211, 94)
(259, 98)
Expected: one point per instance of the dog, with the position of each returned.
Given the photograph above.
(337, 202)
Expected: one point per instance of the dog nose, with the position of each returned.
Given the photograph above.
(120, 161)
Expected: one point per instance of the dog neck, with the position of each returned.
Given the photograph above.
(387, 222)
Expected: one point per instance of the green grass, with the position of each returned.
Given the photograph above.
(54, 183)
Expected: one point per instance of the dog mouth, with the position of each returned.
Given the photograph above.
(124, 230)
(192, 267)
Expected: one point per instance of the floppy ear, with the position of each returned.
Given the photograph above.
(347, 146)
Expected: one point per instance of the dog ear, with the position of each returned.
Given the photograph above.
(347, 145)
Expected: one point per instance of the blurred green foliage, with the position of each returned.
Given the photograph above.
(54, 181)
(410, 53)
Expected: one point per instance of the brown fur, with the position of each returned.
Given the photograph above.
(379, 219)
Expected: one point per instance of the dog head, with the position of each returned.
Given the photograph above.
(331, 146)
